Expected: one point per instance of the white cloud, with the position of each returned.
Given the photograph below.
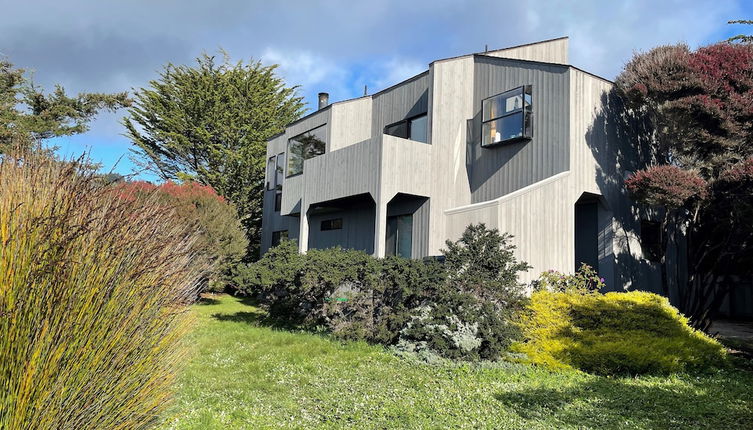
(395, 70)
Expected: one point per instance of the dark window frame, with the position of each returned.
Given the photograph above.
(280, 178)
(278, 202)
(331, 224)
(277, 237)
(289, 152)
(407, 123)
(271, 173)
(526, 119)
(392, 245)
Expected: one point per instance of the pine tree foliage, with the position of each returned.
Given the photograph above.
(210, 122)
(28, 115)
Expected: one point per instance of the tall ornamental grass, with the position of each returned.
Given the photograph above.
(93, 300)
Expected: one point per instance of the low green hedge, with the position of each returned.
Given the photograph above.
(613, 333)
(462, 309)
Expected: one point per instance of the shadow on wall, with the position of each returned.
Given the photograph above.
(619, 140)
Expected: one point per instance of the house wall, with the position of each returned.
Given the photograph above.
(356, 221)
(498, 170)
(401, 101)
(550, 51)
(350, 123)
(450, 107)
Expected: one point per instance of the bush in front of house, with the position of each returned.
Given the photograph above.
(462, 309)
(219, 234)
(472, 314)
(93, 299)
(613, 333)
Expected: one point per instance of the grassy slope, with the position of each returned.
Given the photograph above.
(245, 375)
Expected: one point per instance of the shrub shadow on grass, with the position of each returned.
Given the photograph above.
(206, 301)
(621, 403)
(256, 318)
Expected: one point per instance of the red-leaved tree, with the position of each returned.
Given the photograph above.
(220, 238)
(701, 106)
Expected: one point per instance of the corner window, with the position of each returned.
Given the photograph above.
(271, 173)
(331, 224)
(280, 171)
(278, 236)
(304, 146)
(651, 240)
(507, 117)
(414, 128)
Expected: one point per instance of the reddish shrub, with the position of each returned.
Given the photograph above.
(667, 186)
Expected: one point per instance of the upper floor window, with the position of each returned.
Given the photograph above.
(271, 173)
(415, 128)
(304, 146)
(507, 116)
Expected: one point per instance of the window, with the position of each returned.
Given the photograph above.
(651, 240)
(280, 171)
(399, 235)
(271, 173)
(277, 237)
(415, 128)
(332, 224)
(507, 117)
(278, 202)
(304, 146)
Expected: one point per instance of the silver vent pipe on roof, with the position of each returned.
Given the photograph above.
(323, 100)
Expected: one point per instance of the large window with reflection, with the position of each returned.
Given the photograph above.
(304, 146)
(414, 128)
(507, 117)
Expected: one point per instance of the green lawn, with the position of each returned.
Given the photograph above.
(244, 374)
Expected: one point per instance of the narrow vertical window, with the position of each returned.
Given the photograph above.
(271, 173)
(280, 171)
(399, 240)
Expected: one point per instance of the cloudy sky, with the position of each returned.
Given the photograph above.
(327, 45)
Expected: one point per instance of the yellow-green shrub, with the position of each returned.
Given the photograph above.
(613, 333)
(93, 295)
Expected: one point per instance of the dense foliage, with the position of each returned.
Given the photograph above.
(210, 123)
(219, 235)
(93, 295)
(668, 186)
(27, 115)
(471, 314)
(613, 333)
(459, 310)
(700, 105)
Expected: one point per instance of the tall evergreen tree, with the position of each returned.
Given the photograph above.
(209, 123)
(28, 115)
(742, 38)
